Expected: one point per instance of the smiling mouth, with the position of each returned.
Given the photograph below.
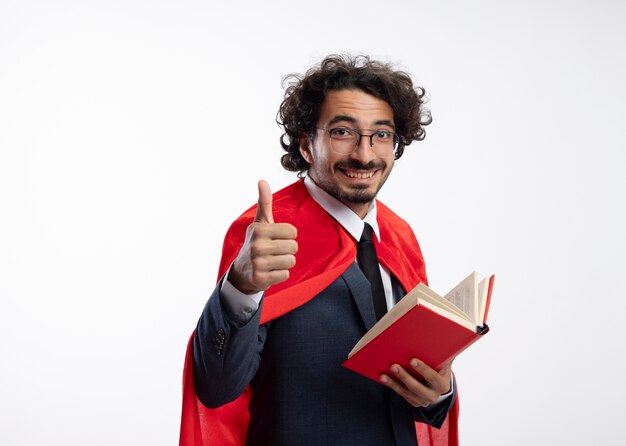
(360, 174)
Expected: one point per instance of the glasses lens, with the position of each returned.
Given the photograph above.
(343, 140)
(384, 142)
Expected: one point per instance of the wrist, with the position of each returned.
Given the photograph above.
(237, 280)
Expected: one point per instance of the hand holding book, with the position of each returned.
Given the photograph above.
(419, 393)
(424, 325)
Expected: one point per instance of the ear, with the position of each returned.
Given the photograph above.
(305, 148)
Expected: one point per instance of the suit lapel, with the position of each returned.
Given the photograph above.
(361, 293)
(398, 291)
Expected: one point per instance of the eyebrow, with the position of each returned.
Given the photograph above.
(352, 120)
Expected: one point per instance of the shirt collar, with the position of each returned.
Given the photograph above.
(346, 217)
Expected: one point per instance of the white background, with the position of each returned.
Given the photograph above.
(133, 132)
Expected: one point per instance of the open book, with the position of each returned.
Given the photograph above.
(426, 326)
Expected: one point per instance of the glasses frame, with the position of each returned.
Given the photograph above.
(360, 135)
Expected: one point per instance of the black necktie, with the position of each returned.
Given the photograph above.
(368, 262)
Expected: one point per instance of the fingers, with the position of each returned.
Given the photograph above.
(415, 392)
(268, 251)
(264, 205)
(281, 245)
(409, 388)
(271, 270)
(274, 231)
(273, 263)
(439, 381)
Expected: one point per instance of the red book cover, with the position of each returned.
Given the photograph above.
(491, 279)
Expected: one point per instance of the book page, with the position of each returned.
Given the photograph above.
(483, 289)
(426, 294)
(464, 296)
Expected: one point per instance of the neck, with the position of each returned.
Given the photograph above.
(359, 209)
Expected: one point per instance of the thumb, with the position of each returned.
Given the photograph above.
(264, 205)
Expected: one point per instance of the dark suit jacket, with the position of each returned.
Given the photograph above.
(301, 394)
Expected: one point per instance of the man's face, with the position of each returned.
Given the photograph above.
(354, 178)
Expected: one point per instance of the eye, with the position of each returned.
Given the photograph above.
(383, 135)
(341, 133)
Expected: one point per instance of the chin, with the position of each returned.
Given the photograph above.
(357, 196)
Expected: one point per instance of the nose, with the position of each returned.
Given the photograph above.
(363, 151)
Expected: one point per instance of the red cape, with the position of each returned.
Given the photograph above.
(325, 251)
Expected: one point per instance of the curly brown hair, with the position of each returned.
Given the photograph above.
(304, 95)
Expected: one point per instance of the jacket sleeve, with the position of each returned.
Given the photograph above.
(435, 414)
(226, 352)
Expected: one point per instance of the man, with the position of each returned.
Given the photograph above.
(264, 364)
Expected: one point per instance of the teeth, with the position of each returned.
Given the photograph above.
(358, 174)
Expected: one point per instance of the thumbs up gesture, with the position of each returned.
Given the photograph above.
(268, 251)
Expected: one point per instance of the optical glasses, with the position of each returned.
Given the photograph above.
(345, 140)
